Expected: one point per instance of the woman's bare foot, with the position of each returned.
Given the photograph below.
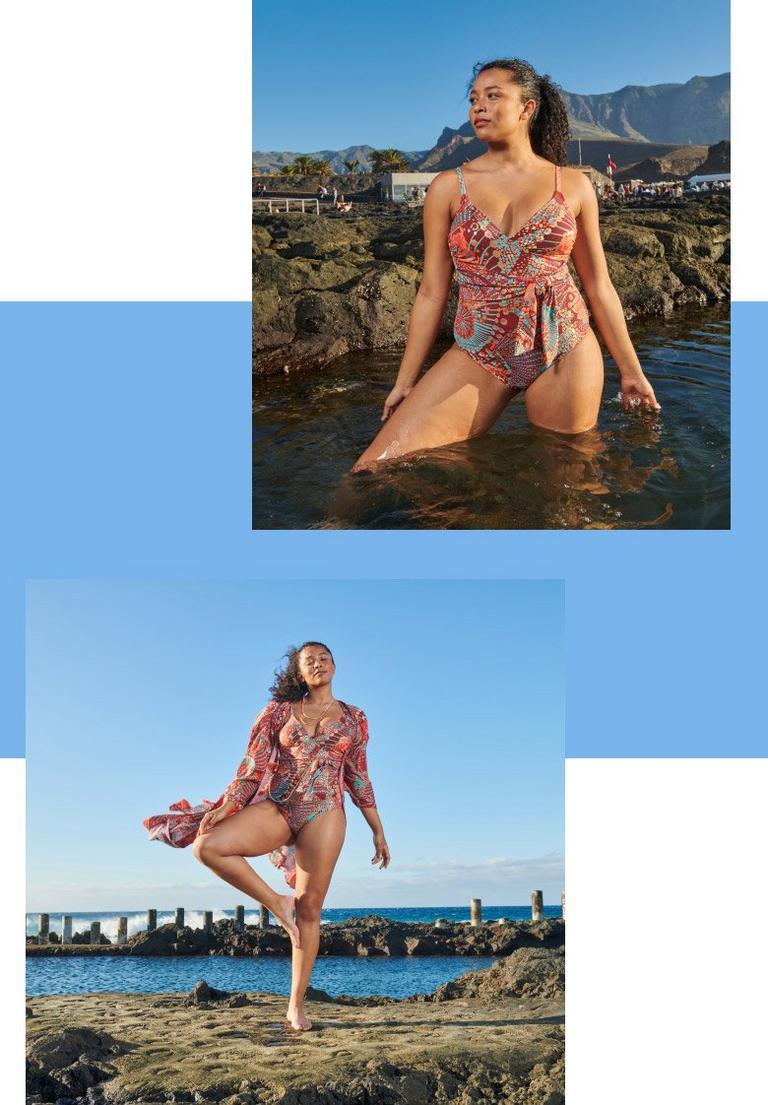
(284, 914)
(297, 1018)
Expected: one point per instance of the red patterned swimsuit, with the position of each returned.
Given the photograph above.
(519, 309)
(304, 774)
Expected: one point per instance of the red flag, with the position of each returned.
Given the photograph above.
(611, 162)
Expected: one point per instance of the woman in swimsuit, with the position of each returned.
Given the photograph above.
(287, 801)
(521, 324)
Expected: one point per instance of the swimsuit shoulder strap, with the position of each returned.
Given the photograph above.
(460, 175)
(557, 179)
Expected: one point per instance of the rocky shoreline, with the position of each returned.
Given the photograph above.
(492, 1035)
(327, 285)
(364, 936)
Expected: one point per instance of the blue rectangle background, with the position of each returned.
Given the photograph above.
(126, 453)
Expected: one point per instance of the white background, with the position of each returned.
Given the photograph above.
(125, 139)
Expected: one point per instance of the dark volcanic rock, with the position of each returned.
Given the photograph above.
(365, 936)
(204, 995)
(528, 973)
(327, 285)
(66, 1063)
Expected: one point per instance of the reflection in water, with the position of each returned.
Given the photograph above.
(639, 470)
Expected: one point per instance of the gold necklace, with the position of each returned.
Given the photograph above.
(323, 712)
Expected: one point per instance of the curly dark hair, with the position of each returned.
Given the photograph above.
(289, 685)
(548, 129)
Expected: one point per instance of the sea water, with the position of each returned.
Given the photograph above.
(356, 975)
(669, 471)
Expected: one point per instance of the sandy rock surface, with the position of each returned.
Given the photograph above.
(486, 1043)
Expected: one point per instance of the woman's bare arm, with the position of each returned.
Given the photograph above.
(604, 303)
(429, 305)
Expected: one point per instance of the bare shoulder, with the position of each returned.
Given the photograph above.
(577, 188)
(444, 186)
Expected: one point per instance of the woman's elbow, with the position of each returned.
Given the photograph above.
(599, 289)
(434, 292)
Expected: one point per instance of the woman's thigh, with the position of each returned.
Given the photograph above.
(252, 831)
(454, 400)
(567, 396)
(318, 845)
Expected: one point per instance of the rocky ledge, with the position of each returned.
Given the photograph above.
(367, 936)
(490, 1036)
(327, 285)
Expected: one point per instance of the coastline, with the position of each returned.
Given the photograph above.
(371, 935)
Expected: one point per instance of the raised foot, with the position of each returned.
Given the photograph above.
(297, 1018)
(284, 913)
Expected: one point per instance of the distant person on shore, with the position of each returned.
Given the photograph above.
(335, 193)
(507, 222)
(287, 801)
(342, 204)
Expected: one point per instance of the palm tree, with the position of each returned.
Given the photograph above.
(350, 166)
(291, 169)
(305, 163)
(388, 161)
(320, 167)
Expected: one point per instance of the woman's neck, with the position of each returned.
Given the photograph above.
(320, 696)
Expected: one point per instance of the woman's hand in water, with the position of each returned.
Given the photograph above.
(637, 392)
(214, 816)
(382, 851)
(394, 399)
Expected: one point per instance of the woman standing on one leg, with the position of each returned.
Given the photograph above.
(287, 801)
(508, 222)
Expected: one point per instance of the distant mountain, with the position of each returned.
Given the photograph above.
(659, 118)
(271, 160)
(698, 111)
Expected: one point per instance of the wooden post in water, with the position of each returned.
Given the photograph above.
(239, 918)
(208, 920)
(562, 904)
(66, 930)
(95, 932)
(122, 930)
(263, 917)
(179, 917)
(476, 911)
(151, 920)
(43, 929)
(537, 906)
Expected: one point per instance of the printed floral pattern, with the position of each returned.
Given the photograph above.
(519, 309)
(304, 774)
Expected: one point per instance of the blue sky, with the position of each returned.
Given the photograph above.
(395, 75)
(143, 693)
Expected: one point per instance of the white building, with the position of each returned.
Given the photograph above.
(709, 177)
(403, 187)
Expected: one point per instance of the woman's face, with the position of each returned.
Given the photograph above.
(316, 666)
(496, 107)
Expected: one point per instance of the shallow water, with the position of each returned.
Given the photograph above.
(638, 471)
(359, 976)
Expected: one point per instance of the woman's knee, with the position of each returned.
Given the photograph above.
(309, 904)
(203, 848)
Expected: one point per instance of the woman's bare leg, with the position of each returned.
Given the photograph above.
(454, 400)
(566, 397)
(317, 849)
(253, 831)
